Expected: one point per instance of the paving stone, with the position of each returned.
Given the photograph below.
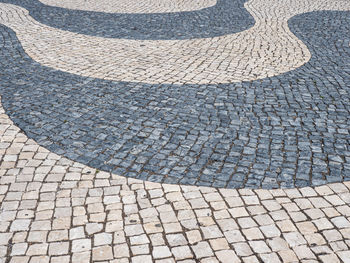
(176, 240)
(19, 249)
(181, 252)
(161, 252)
(278, 244)
(141, 259)
(272, 257)
(102, 239)
(323, 223)
(137, 240)
(340, 222)
(252, 233)
(80, 245)
(58, 235)
(211, 232)
(259, 246)
(133, 230)
(288, 256)
(58, 248)
(344, 256)
(121, 251)
(202, 249)
(193, 236)
(20, 225)
(227, 256)
(219, 244)
(37, 249)
(140, 249)
(270, 231)
(102, 253)
(242, 249)
(246, 222)
(76, 233)
(303, 252)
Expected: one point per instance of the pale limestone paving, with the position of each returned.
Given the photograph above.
(125, 6)
(49, 216)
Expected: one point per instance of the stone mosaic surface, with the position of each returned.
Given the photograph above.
(226, 59)
(56, 210)
(79, 147)
(284, 131)
(226, 17)
(132, 6)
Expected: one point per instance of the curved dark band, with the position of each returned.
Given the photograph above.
(226, 17)
(284, 131)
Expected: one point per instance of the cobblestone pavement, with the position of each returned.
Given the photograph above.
(195, 61)
(124, 138)
(290, 129)
(132, 6)
(226, 17)
(57, 210)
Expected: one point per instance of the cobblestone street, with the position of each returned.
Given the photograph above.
(174, 131)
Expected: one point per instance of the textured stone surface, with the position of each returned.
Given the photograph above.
(284, 131)
(197, 61)
(122, 219)
(226, 17)
(289, 130)
(134, 6)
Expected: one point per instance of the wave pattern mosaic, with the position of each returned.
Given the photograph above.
(287, 130)
(132, 6)
(226, 17)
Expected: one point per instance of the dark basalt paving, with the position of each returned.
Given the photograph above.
(285, 131)
(226, 17)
